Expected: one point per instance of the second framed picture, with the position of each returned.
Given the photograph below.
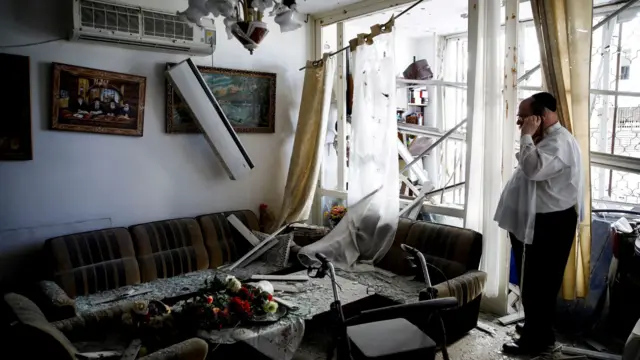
(97, 101)
(248, 98)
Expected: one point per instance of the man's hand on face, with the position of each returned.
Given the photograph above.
(530, 125)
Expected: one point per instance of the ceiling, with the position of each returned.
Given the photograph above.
(431, 16)
(318, 6)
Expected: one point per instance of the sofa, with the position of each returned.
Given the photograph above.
(455, 252)
(32, 336)
(92, 262)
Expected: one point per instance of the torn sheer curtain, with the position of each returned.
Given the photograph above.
(367, 231)
(484, 155)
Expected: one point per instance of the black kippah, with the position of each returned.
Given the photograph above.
(545, 99)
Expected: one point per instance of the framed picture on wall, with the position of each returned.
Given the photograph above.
(15, 123)
(97, 101)
(248, 99)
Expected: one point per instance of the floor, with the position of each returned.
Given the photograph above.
(477, 345)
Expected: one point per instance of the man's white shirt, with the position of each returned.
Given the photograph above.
(549, 178)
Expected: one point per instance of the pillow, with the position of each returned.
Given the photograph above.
(279, 254)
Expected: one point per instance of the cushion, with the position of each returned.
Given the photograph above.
(395, 260)
(33, 336)
(169, 248)
(465, 287)
(279, 254)
(223, 242)
(390, 339)
(447, 242)
(94, 261)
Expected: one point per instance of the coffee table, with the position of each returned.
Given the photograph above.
(281, 339)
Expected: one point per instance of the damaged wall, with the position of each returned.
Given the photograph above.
(81, 176)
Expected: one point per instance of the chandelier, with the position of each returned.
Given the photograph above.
(243, 18)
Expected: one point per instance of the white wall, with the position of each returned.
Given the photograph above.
(127, 180)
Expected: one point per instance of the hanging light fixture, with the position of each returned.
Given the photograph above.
(243, 18)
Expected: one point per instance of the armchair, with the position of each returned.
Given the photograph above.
(33, 337)
(454, 257)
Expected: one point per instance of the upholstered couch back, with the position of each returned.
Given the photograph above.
(453, 250)
(106, 259)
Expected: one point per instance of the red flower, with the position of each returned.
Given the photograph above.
(244, 293)
(239, 306)
(270, 297)
(209, 299)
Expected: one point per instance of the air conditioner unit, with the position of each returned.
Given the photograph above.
(125, 25)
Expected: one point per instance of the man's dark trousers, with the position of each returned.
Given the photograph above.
(545, 261)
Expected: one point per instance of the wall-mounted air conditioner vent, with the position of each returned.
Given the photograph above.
(128, 25)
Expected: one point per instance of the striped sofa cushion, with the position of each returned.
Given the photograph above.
(224, 243)
(169, 248)
(94, 261)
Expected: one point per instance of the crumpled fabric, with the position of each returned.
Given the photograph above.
(285, 16)
(224, 8)
(262, 5)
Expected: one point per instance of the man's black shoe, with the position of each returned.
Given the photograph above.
(519, 328)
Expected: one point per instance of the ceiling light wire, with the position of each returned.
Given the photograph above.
(318, 62)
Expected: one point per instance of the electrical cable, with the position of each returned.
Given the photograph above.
(30, 44)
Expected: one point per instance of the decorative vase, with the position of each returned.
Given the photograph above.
(250, 34)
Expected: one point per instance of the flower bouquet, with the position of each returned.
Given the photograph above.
(336, 214)
(228, 303)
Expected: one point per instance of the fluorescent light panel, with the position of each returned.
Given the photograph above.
(206, 111)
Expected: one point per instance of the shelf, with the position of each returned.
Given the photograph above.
(414, 104)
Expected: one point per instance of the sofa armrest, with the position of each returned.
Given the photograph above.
(465, 287)
(192, 349)
(56, 301)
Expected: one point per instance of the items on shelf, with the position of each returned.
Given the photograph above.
(418, 70)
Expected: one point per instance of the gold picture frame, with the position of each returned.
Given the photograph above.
(248, 99)
(97, 101)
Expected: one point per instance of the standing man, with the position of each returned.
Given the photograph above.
(539, 207)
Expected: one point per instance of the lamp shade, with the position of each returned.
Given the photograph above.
(250, 33)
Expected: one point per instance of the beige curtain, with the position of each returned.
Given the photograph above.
(304, 167)
(564, 34)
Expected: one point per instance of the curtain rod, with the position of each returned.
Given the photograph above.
(317, 62)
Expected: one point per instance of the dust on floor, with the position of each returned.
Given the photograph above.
(476, 345)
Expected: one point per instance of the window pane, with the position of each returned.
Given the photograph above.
(529, 55)
(616, 186)
(456, 60)
(329, 38)
(630, 51)
(604, 49)
(443, 219)
(624, 139)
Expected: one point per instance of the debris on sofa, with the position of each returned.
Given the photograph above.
(243, 230)
(257, 250)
